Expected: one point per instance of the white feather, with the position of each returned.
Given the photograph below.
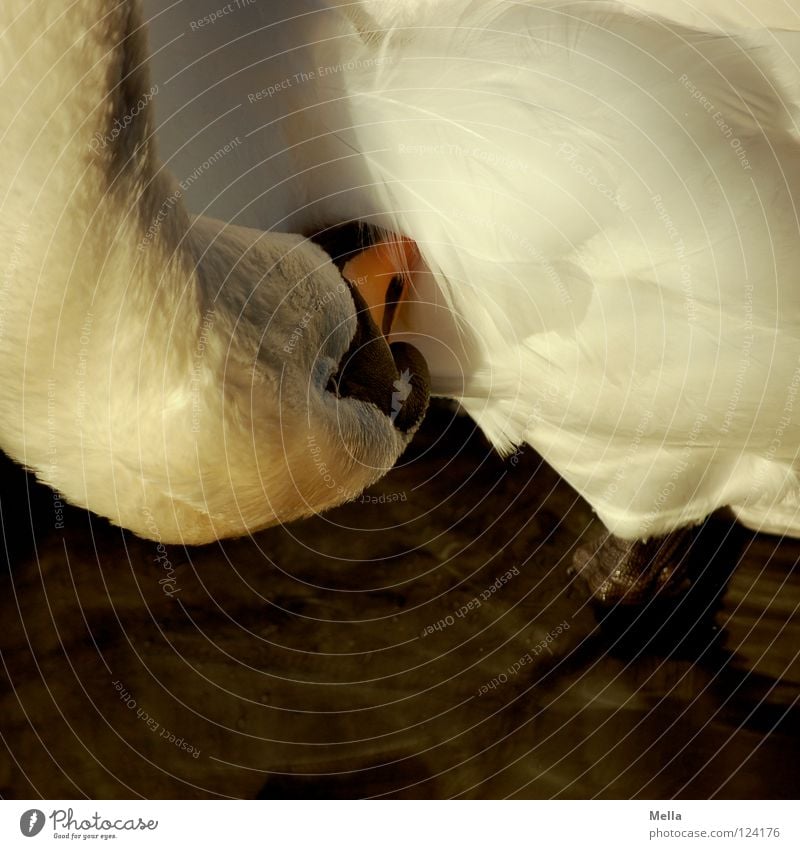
(606, 205)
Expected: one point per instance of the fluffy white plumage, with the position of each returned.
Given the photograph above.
(606, 203)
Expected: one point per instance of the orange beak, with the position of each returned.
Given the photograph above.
(380, 273)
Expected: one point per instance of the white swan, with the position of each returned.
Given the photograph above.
(604, 203)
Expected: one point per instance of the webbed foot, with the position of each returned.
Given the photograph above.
(633, 572)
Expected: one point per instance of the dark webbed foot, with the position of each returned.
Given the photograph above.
(631, 572)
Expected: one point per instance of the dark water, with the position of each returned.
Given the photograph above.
(427, 641)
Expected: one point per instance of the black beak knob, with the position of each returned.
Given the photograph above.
(395, 378)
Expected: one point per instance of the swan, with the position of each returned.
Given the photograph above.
(601, 201)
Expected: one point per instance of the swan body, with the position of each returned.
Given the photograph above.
(606, 205)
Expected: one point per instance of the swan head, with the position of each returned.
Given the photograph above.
(296, 402)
